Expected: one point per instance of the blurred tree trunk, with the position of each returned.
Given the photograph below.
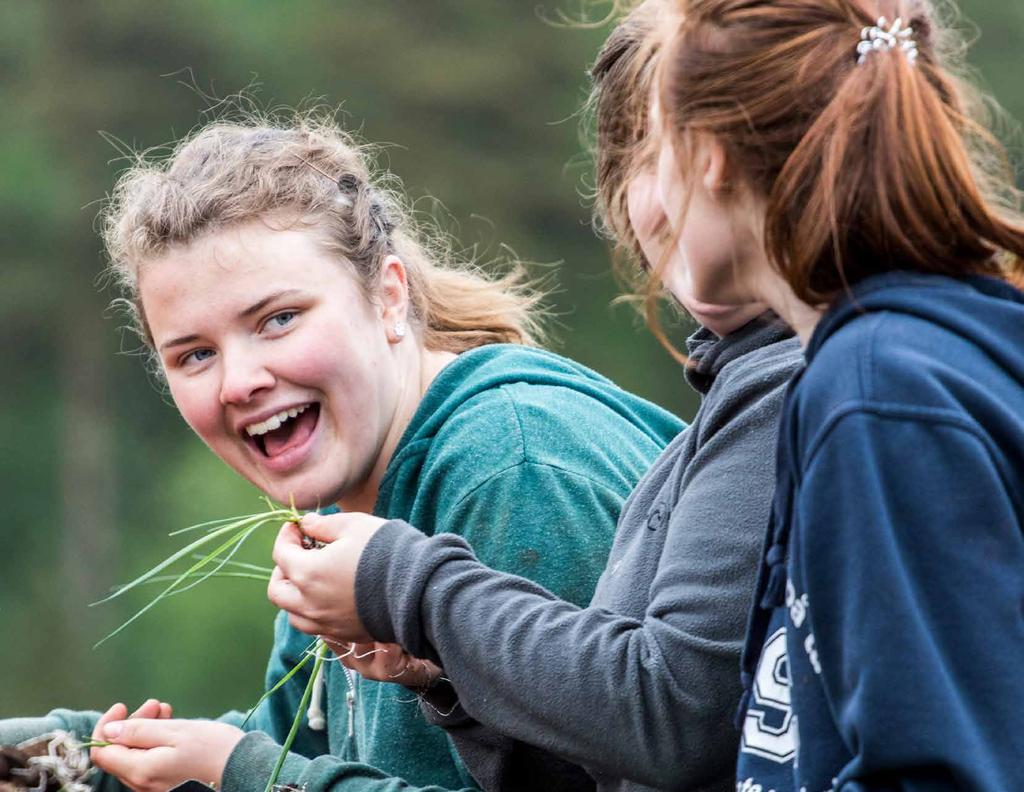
(88, 485)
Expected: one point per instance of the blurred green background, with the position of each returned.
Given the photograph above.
(477, 101)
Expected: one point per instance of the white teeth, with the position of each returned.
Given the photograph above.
(274, 421)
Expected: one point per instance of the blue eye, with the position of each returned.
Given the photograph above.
(282, 319)
(197, 356)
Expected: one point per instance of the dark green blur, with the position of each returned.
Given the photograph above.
(476, 101)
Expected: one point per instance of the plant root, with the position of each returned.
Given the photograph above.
(55, 762)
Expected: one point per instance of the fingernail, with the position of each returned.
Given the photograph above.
(112, 730)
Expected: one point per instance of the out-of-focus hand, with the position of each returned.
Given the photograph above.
(386, 663)
(153, 709)
(157, 754)
(317, 586)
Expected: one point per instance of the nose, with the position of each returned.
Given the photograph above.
(244, 376)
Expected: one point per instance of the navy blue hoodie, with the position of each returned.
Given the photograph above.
(886, 646)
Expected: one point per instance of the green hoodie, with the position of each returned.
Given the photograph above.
(527, 455)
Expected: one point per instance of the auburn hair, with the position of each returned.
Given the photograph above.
(865, 168)
(308, 171)
(622, 80)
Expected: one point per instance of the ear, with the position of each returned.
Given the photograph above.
(714, 165)
(393, 291)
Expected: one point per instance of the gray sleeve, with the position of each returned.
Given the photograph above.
(650, 700)
(496, 761)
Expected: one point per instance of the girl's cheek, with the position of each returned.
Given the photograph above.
(199, 408)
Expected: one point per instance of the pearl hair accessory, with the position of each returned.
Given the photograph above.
(884, 37)
(400, 329)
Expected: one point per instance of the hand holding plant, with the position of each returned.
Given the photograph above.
(317, 587)
(155, 754)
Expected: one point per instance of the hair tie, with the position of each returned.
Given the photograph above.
(884, 37)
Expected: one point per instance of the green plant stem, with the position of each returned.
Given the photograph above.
(278, 686)
(321, 652)
(85, 746)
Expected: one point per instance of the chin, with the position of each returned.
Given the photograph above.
(306, 498)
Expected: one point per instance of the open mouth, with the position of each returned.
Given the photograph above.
(288, 429)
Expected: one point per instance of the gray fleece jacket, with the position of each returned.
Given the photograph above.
(640, 687)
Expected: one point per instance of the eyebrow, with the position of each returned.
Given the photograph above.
(259, 306)
(256, 307)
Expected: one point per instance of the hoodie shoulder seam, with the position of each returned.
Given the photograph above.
(895, 412)
(523, 463)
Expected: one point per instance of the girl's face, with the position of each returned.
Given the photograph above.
(716, 233)
(277, 360)
(647, 216)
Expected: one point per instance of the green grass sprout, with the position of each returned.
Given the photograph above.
(85, 746)
(309, 653)
(226, 536)
(320, 654)
(212, 556)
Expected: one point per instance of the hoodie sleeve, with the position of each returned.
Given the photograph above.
(907, 578)
(252, 762)
(648, 699)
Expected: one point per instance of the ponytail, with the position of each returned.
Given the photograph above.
(867, 167)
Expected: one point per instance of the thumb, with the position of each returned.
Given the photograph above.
(323, 528)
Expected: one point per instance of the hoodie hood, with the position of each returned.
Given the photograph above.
(495, 366)
(897, 341)
(987, 312)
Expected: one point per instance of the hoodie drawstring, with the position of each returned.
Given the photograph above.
(315, 713)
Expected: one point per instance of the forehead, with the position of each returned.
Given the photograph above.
(224, 272)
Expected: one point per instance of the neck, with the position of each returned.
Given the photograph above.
(800, 316)
(422, 366)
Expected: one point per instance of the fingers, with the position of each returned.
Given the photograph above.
(117, 712)
(288, 547)
(150, 708)
(282, 592)
(140, 732)
(304, 625)
(380, 662)
(166, 711)
(322, 528)
(118, 761)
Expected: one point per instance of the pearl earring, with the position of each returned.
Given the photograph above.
(400, 330)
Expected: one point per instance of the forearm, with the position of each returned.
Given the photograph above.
(80, 723)
(541, 670)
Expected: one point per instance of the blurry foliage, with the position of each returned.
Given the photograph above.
(475, 101)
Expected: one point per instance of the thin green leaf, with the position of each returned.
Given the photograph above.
(263, 578)
(195, 567)
(85, 746)
(277, 687)
(185, 551)
(297, 720)
(248, 532)
(214, 523)
(244, 565)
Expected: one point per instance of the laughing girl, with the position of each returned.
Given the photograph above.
(313, 342)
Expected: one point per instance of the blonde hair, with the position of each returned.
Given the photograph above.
(234, 171)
